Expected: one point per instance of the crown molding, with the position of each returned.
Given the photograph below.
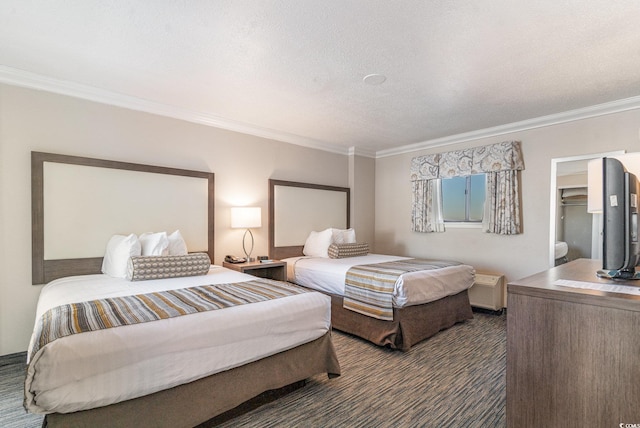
(359, 151)
(618, 106)
(16, 77)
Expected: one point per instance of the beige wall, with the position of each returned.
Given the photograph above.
(362, 175)
(35, 120)
(518, 255)
(40, 121)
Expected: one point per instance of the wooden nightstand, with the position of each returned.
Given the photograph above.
(275, 270)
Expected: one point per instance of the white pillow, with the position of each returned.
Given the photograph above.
(343, 236)
(317, 244)
(154, 244)
(119, 249)
(177, 246)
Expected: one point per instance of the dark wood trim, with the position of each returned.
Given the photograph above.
(54, 269)
(102, 163)
(210, 215)
(279, 253)
(43, 271)
(37, 218)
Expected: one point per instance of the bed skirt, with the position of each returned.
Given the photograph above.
(410, 324)
(196, 402)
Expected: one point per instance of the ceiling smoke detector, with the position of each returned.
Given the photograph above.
(374, 79)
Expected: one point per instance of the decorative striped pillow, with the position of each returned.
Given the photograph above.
(140, 268)
(341, 251)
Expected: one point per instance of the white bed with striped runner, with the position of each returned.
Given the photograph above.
(404, 287)
(82, 317)
(230, 319)
(369, 288)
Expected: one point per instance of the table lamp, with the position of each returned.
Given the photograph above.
(246, 218)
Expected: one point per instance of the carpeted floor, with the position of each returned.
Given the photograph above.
(454, 379)
(12, 414)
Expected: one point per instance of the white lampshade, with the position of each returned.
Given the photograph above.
(631, 162)
(246, 217)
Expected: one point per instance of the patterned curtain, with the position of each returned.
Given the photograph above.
(502, 204)
(427, 199)
(500, 162)
(427, 206)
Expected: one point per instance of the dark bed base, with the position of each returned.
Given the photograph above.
(410, 324)
(194, 403)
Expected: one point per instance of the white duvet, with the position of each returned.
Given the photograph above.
(414, 288)
(98, 368)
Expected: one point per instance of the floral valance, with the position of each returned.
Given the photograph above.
(505, 156)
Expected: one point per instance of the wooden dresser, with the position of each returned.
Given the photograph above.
(573, 354)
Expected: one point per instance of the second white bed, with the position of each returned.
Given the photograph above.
(414, 288)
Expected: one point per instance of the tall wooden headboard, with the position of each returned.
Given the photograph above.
(78, 203)
(296, 209)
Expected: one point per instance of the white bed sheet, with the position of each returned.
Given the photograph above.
(98, 368)
(414, 288)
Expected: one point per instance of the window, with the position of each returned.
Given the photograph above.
(463, 198)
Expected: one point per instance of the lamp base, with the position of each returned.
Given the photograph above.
(244, 248)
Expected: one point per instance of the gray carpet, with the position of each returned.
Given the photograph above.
(454, 379)
(12, 414)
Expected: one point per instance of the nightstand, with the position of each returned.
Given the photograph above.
(274, 270)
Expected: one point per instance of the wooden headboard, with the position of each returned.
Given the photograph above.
(78, 203)
(296, 209)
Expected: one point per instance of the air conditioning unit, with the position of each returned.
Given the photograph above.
(488, 291)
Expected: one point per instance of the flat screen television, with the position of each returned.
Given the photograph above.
(620, 248)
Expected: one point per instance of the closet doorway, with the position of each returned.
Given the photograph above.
(573, 233)
(575, 224)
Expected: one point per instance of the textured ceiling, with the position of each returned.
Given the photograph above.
(293, 70)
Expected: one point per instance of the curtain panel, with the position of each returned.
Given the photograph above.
(500, 162)
(427, 210)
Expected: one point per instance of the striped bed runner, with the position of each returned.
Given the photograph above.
(100, 314)
(369, 288)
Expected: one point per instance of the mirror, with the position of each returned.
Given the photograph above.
(573, 233)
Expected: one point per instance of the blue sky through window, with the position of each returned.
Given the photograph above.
(463, 198)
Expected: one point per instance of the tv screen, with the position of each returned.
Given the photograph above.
(620, 249)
